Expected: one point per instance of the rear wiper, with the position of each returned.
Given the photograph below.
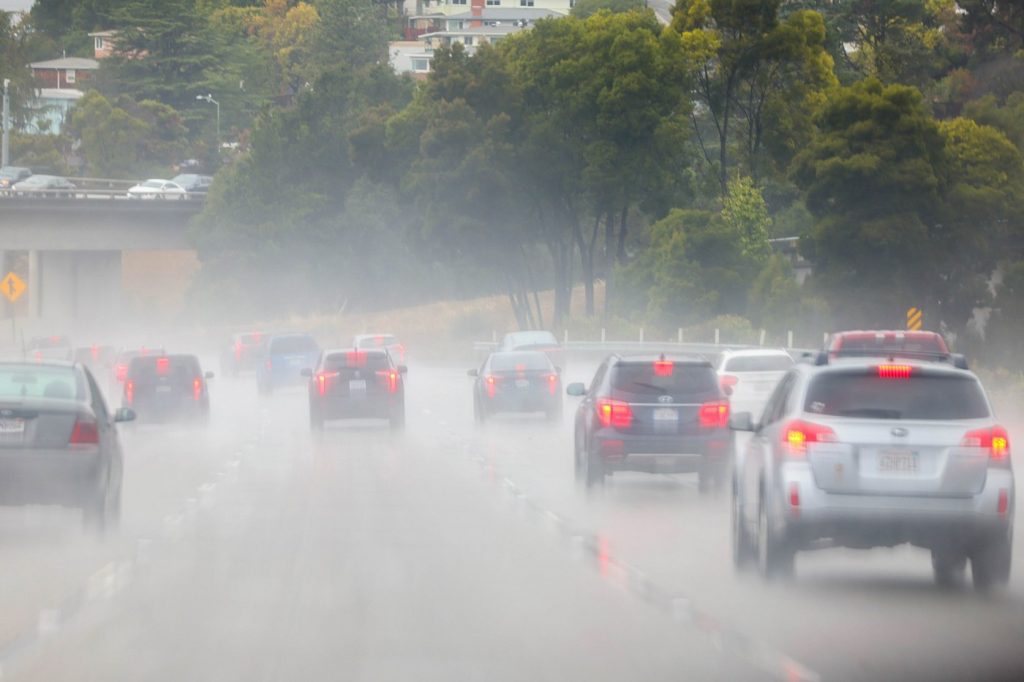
(870, 412)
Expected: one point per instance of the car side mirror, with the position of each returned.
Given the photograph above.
(741, 421)
(306, 372)
(402, 369)
(124, 414)
(472, 373)
(209, 375)
(576, 389)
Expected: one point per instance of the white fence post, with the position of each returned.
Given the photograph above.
(824, 339)
(641, 334)
(565, 337)
(789, 339)
(603, 335)
(494, 336)
(761, 341)
(679, 335)
(718, 335)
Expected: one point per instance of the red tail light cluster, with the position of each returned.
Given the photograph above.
(390, 377)
(552, 384)
(894, 371)
(614, 413)
(238, 350)
(994, 439)
(163, 365)
(491, 382)
(798, 434)
(129, 391)
(355, 358)
(197, 388)
(85, 432)
(714, 415)
(663, 368)
(321, 381)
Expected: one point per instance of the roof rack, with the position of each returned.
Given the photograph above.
(956, 359)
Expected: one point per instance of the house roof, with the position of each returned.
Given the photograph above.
(79, 63)
(102, 34)
(59, 93)
(498, 14)
(475, 31)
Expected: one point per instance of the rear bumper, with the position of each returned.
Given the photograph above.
(66, 478)
(532, 401)
(888, 520)
(663, 454)
(355, 409)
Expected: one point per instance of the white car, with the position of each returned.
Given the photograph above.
(748, 377)
(157, 189)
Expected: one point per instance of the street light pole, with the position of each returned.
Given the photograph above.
(5, 151)
(211, 100)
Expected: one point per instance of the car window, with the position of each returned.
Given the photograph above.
(775, 408)
(352, 360)
(511, 362)
(598, 379)
(651, 379)
(293, 344)
(31, 381)
(99, 405)
(377, 341)
(173, 369)
(759, 363)
(919, 396)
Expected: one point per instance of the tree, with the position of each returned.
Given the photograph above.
(353, 33)
(287, 32)
(586, 8)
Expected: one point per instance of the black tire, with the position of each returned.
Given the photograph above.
(102, 515)
(949, 568)
(577, 457)
(397, 418)
(594, 471)
(775, 556)
(316, 419)
(744, 552)
(991, 561)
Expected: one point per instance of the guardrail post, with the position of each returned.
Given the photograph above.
(565, 337)
(717, 335)
(603, 334)
(494, 336)
(679, 335)
(761, 340)
(789, 339)
(641, 334)
(824, 339)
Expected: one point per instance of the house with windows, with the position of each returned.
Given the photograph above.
(102, 43)
(410, 56)
(66, 72)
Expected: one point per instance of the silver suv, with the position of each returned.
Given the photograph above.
(874, 452)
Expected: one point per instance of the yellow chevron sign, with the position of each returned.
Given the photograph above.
(915, 319)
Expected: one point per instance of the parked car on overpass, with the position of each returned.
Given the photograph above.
(155, 188)
(43, 186)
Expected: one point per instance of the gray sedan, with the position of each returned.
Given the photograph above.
(58, 441)
(875, 453)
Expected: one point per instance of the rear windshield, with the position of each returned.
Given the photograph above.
(516, 362)
(671, 378)
(874, 344)
(55, 383)
(175, 369)
(927, 396)
(293, 344)
(530, 339)
(377, 341)
(759, 363)
(336, 362)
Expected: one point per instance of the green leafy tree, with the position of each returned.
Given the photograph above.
(351, 32)
(586, 8)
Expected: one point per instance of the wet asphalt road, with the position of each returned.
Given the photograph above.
(253, 550)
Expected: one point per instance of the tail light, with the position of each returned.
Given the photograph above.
(355, 358)
(95, 351)
(197, 388)
(321, 381)
(491, 382)
(163, 365)
(121, 371)
(614, 413)
(85, 432)
(129, 391)
(401, 353)
(894, 371)
(39, 356)
(714, 415)
(798, 434)
(994, 439)
(553, 384)
(663, 368)
(390, 377)
(727, 381)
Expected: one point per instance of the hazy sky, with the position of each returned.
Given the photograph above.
(15, 5)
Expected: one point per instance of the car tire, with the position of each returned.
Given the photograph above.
(991, 561)
(102, 515)
(397, 418)
(594, 471)
(316, 419)
(743, 549)
(775, 556)
(949, 568)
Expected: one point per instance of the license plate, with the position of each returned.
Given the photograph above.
(522, 383)
(666, 414)
(164, 389)
(357, 386)
(897, 462)
(12, 426)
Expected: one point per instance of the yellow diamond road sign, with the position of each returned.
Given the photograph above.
(914, 319)
(12, 287)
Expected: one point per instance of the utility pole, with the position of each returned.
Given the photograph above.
(5, 153)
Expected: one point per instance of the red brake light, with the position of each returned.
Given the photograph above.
(129, 391)
(84, 433)
(391, 377)
(355, 358)
(491, 382)
(798, 433)
(995, 439)
(197, 388)
(95, 351)
(894, 371)
(714, 414)
(663, 368)
(553, 383)
(321, 381)
(615, 413)
(163, 365)
(121, 371)
(727, 381)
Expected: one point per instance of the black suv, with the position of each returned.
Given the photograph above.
(356, 383)
(657, 414)
(167, 388)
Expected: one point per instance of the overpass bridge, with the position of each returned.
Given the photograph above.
(70, 247)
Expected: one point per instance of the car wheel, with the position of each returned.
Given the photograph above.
(990, 562)
(103, 514)
(774, 555)
(949, 567)
(593, 470)
(397, 419)
(316, 419)
(743, 549)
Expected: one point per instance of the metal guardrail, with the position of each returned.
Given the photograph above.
(609, 347)
(82, 194)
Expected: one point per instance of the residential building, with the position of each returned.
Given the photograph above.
(66, 72)
(102, 43)
(410, 56)
(49, 109)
